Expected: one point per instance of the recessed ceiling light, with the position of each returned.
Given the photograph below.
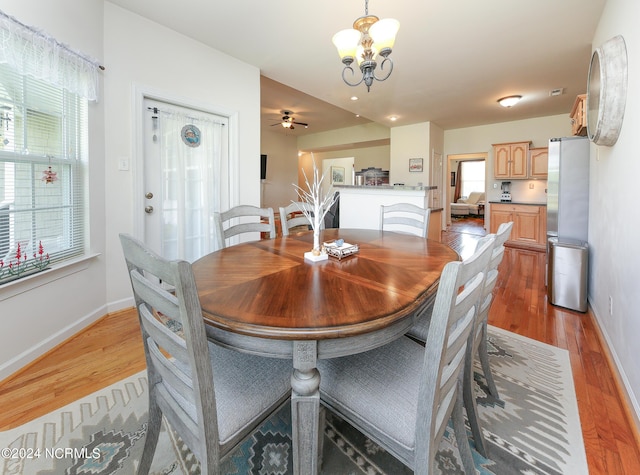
(357, 116)
(354, 98)
(509, 101)
(393, 118)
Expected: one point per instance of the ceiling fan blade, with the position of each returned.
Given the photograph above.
(300, 123)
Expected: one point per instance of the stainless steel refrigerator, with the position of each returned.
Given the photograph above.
(568, 222)
(568, 188)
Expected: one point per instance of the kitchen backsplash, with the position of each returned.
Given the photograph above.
(524, 191)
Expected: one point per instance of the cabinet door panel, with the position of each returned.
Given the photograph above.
(501, 161)
(499, 216)
(519, 153)
(527, 227)
(539, 162)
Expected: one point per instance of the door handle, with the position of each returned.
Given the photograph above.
(148, 209)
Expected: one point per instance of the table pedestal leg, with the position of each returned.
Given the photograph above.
(305, 408)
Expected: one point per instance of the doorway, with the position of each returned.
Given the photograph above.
(452, 172)
(186, 170)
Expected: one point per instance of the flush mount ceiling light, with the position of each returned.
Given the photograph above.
(369, 38)
(509, 101)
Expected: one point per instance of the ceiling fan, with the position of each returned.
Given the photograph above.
(287, 121)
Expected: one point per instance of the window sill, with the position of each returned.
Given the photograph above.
(61, 270)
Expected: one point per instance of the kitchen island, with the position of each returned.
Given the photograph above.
(360, 205)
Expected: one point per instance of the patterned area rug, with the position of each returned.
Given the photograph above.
(533, 429)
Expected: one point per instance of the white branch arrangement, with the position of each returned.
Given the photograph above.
(320, 204)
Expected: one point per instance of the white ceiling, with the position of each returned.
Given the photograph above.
(452, 59)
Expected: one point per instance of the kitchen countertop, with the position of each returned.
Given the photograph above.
(514, 202)
(386, 187)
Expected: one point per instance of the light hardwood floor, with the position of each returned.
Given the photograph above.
(111, 350)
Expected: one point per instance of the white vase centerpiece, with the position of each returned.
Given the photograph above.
(320, 204)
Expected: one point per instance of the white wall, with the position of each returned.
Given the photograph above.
(410, 141)
(282, 169)
(347, 165)
(60, 305)
(614, 228)
(350, 137)
(363, 157)
(143, 54)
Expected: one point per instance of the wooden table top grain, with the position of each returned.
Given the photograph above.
(267, 289)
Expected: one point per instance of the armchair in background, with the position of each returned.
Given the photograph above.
(474, 204)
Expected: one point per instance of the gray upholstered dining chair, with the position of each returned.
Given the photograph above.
(405, 217)
(291, 216)
(478, 339)
(402, 394)
(230, 223)
(478, 342)
(211, 396)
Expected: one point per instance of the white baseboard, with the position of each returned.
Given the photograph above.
(631, 398)
(30, 355)
(118, 305)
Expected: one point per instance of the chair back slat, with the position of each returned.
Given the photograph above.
(148, 288)
(163, 337)
(246, 228)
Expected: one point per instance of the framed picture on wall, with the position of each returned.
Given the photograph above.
(337, 175)
(415, 165)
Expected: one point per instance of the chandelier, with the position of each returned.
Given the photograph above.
(369, 38)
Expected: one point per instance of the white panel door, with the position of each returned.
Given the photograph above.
(186, 178)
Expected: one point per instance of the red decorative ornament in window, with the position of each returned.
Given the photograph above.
(49, 176)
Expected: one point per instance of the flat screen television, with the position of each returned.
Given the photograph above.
(263, 167)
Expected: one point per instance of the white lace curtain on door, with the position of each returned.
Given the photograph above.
(190, 148)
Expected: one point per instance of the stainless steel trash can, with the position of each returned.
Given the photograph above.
(567, 273)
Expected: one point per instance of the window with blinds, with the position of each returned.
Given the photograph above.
(41, 126)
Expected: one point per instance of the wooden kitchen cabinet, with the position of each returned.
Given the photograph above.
(538, 162)
(510, 160)
(435, 224)
(529, 223)
(579, 115)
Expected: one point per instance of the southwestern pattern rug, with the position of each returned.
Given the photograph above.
(533, 429)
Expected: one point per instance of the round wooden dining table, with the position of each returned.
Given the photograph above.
(265, 298)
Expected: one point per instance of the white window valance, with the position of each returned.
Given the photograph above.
(32, 52)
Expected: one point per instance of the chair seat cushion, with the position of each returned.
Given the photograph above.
(387, 378)
(245, 387)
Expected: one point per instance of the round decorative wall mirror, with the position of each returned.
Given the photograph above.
(607, 91)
